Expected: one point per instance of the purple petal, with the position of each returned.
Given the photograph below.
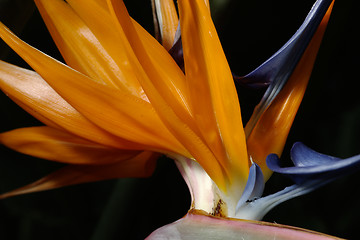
(177, 53)
(303, 156)
(311, 165)
(254, 186)
(311, 171)
(279, 67)
(258, 208)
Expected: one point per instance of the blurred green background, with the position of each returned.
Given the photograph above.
(251, 31)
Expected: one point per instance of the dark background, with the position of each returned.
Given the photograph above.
(251, 31)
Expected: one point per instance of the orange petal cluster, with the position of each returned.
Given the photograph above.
(121, 100)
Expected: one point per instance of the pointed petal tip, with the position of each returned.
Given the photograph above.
(295, 58)
(310, 165)
(142, 165)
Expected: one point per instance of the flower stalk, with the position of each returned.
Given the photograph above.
(205, 194)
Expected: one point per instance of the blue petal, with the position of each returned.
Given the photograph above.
(311, 171)
(254, 186)
(279, 67)
(303, 156)
(313, 165)
(258, 208)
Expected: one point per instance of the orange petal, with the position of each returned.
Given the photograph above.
(207, 4)
(155, 68)
(165, 76)
(154, 81)
(99, 22)
(214, 99)
(101, 3)
(270, 133)
(56, 145)
(122, 114)
(34, 95)
(141, 165)
(168, 21)
(80, 47)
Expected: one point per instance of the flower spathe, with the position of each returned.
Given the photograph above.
(199, 225)
(121, 99)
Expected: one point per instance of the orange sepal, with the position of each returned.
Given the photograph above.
(141, 165)
(82, 50)
(168, 21)
(35, 96)
(214, 100)
(181, 125)
(96, 17)
(118, 112)
(158, 73)
(56, 145)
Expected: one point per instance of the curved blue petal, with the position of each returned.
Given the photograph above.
(280, 65)
(254, 186)
(313, 165)
(258, 208)
(311, 171)
(303, 156)
(278, 68)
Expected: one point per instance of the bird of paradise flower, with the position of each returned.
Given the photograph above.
(123, 99)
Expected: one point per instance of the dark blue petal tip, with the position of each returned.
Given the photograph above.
(311, 165)
(276, 71)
